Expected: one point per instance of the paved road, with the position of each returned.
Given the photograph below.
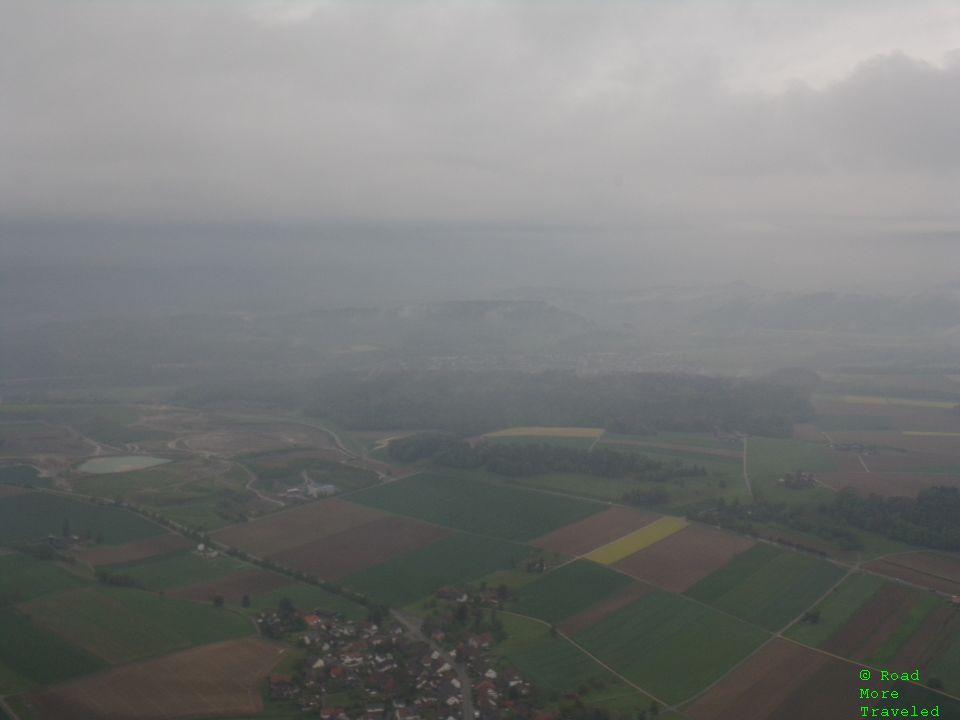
(466, 686)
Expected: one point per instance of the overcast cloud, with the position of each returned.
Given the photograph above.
(766, 113)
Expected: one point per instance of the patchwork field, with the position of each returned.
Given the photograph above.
(590, 533)
(767, 586)
(937, 571)
(681, 560)
(176, 570)
(567, 590)
(24, 578)
(120, 625)
(349, 551)
(32, 516)
(605, 608)
(451, 561)
(32, 655)
(221, 679)
(769, 459)
(232, 588)
(637, 540)
(836, 609)
(659, 642)
(476, 506)
(296, 526)
(131, 552)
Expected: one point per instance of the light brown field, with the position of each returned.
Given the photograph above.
(581, 537)
(758, 688)
(335, 556)
(680, 561)
(233, 587)
(131, 552)
(297, 526)
(220, 679)
(937, 571)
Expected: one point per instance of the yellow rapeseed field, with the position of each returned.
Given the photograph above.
(578, 432)
(637, 540)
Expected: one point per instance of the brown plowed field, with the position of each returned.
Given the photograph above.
(932, 570)
(336, 556)
(581, 537)
(758, 688)
(131, 552)
(930, 640)
(296, 527)
(232, 587)
(833, 691)
(680, 561)
(220, 679)
(882, 614)
(605, 608)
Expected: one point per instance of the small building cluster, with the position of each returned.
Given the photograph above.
(798, 480)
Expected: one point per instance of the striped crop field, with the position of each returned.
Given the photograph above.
(541, 431)
(637, 540)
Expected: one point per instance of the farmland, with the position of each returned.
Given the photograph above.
(637, 540)
(32, 516)
(581, 537)
(120, 625)
(31, 654)
(175, 570)
(561, 432)
(452, 561)
(937, 571)
(679, 561)
(835, 609)
(658, 642)
(476, 506)
(131, 552)
(768, 460)
(767, 586)
(567, 590)
(215, 679)
(23, 578)
(233, 587)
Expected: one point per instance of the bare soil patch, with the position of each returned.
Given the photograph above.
(605, 608)
(296, 527)
(758, 688)
(832, 691)
(232, 588)
(131, 552)
(581, 537)
(220, 679)
(936, 571)
(336, 556)
(866, 631)
(680, 561)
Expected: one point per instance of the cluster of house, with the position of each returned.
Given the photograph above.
(854, 447)
(798, 480)
(360, 670)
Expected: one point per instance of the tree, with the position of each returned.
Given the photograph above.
(286, 608)
(218, 601)
(245, 601)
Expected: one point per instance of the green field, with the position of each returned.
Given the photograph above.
(179, 569)
(769, 459)
(286, 467)
(694, 440)
(853, 423)
(24, 476)
(583, 443)
(452, 561)
(669, 645)
(24, 578)
(33, 516)
(122, 624)
(476, 506)
(835, 609)
(308, 597)
(947, 668)
(567, 590)
(30, 654)
(907, 627)
(767, 586)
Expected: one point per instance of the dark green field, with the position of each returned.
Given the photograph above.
(308, 597)
(33, 516)
(24, 476)
(24, 578)
(121, 624)
(179, 569)
(567, 590)
(838, 607)
(451, 561)
(33, 654)
(476, 506)
(767, 586)
(669, 645)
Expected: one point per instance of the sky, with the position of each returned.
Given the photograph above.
(749, 128)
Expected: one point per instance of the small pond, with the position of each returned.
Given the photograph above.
(120, 463)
